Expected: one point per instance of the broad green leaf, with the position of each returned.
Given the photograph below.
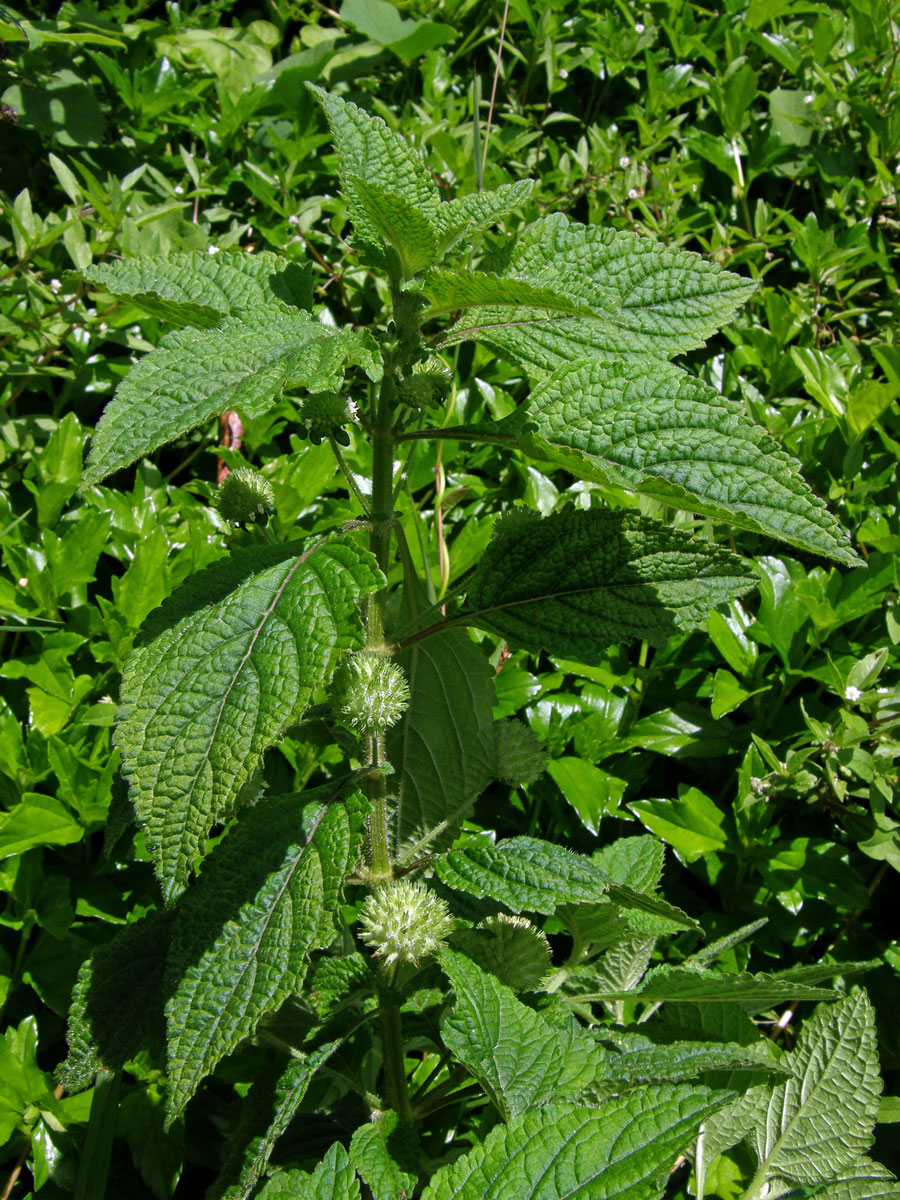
(592, 792)
(637, 861)
(511, 948)
(368, 150)
(383, 23)
(195, 374)
(118, 1002)
(862, 1180)
(333, 1179)
(195, 715)
(822, 1119)
(392, 219)
(689, 985)
(578, 581)
(443, 749)
(37, 821)
(509, 1048)
(639, 1063)
(244, 931)
(654, 429)
(523, 873)
(623, 1150)
(647, 298)
(691, 823)
(479, 209)
(374, 1151)
(336, 977)
(200, 289)
(451, 290)
(265, 1114)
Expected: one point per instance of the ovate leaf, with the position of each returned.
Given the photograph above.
(333, 1179)
(244, 931)
(654, 429)
(451, 290)
(623, 1150)
(513, 1052)
(822, 1119)
(443, 749)
(200, 289)
(195, 715)
(391, 219)
(636, 1061)
(195, 374)
(647, 298)
(863, 1180)
(689, 985)
(578, 581)
(479, 209)
(374, 1151)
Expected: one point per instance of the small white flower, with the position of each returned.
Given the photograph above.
(294, 220)
(212, 249)
(758, 785)
(639, 28)
(852, 693)
(179, 190)
(624, 161)
(102, 327)
(632, 193)
(884, 691)
(563, 73)
(55, 285)
(23, 582)
(808, 98)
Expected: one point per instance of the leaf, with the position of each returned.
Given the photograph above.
(200, 289)
(333, 1179)
(443, 749)
(623, 1150)
(592, 792)
(195, 374)
(265, 1114)
(374, 1151)
(451, 290)
(509, 1048)
(822, 1119)
(479, 209)
(37, 821)
(636, 1065)
(244, 931)
(195, 716)
(647, 298)
(692, 824)
(382, 23)
(755, 993)
(578, 581)
(392, 219)
(117, 1002)
(523, 873)
(369, 150)
(654, 429)
(863, 1180)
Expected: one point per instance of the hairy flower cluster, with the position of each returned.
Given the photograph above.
(520, 757)
(426, 385)
(372, 693)
(405, 922)
(325, 413)
(243, 496)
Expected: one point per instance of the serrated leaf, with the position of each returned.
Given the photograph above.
(265, 1114)
(200, 289)
(523, 873)
(622, 1151)
(509, 1048)
(452, 290)
(863, 1180)
(392, 219)
(333, 1179)
(244, 364)
(675, 1062)
(369, 150)
(511, 948)
(637, 861)
(649, 914)
(194, 717)
(117, 1002)
(755, 993)
(822, 1119)
(653, 429)
(443, 749)
(578, 581)
(244, 931)
(373, 1152)
(647, 298)
(479, 209)
(337, 977)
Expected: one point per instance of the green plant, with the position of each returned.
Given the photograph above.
(337, 638)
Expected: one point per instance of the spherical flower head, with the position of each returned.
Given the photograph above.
(372, 692)
(520, 757)
(325, 413)
(245, 496)
(405, 922)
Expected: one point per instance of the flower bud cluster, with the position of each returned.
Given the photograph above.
(405, 922)
(244, 496)
(372, 693)
(324, 413)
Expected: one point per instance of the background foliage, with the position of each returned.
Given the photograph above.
(767, 136)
